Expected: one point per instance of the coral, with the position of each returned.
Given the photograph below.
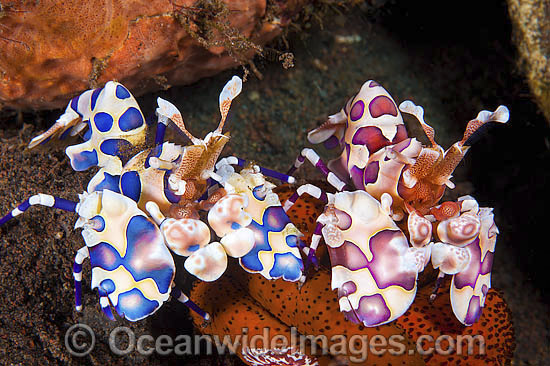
(313, 310)
(48, 54)
(434, 319)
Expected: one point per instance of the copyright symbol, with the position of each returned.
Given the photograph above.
(79, 340)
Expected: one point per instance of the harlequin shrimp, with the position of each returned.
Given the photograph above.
(115, 128)
(240, 298)
(398, 174)
(465, 237)
(377, 155)
(132, 269)
(168, 181)
(373, 267)
(251, 204)
(244, 214)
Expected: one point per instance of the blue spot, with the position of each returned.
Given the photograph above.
(143, 236)
(170, 196)
(115, 147)
(292, 241)
(193, 248)
(235, 226)
(287, 266)
(109, 182)
(257, 195)
(46, 140)
(275, 218)
(88, 132)
(130, 185)
(74, 105)
(104, 255)
(93, 99)
(134, 306)
(103, 121)
(84, 160)
(101, 221)
(122, 92)
(130, 119)
(251, 260)
(107, 285)
(65, 133)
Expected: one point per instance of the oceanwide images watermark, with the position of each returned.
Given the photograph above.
(80, 341)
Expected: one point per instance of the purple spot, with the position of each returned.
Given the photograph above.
(474, 311)
(371, 172)
(373, 84)
(348, 255)
(382, 105)
(484, 290)
(401, 146)
(348, 105)
(487, 264)
(401, 134)
(357, 110)
(388, 248)
(347, 288)
(331, 143)
(371, 137)
(372, 311)
(469, 276)
(357, 177)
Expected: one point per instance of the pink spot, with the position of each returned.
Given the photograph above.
(373, 84)
(382, 105)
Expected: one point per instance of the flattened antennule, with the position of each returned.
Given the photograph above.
(229, 92)
(167, 111)
(410, 108)
(500, 115)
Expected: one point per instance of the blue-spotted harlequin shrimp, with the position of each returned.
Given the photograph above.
(250, 208)
(116, 131)
(132, 269)
(128, 250)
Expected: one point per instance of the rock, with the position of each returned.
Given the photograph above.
(531, 27)
(51, 51)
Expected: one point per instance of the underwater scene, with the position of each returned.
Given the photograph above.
(265, 182)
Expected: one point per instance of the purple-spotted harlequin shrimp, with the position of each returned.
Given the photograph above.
(465, 244)
(407, 180)
(377, 155)
(373, 267)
